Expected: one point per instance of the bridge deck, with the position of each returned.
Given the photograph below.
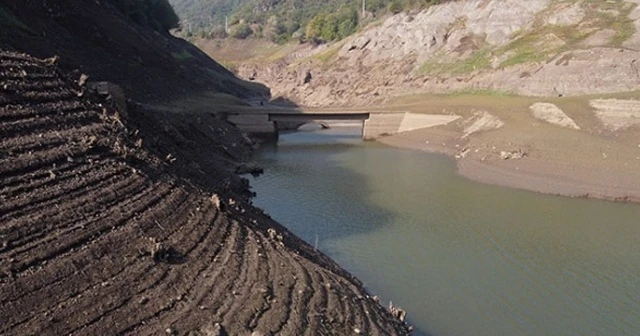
(375, 124)
(317, 116)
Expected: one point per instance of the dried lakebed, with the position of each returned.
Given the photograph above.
(463, 258)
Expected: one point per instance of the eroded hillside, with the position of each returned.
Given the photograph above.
(125, 215)
(99, 236)
(536, 48)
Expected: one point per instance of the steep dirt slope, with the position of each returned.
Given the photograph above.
(94, 38)
(98, 236)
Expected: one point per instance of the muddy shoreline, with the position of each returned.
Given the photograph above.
(571, 178)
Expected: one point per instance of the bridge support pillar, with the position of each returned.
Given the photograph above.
(381, 124)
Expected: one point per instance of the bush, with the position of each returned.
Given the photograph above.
(395, 7)
(217, 32)
(334, 26)
(240, 31)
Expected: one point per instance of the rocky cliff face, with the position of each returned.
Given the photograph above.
(537, 48)
(454, 28)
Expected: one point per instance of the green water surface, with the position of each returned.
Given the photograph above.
(463, 258)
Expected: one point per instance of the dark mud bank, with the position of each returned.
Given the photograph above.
(138, 225)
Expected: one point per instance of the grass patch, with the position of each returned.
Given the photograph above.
(462, 103)
(276, 52)
(534, 46)
(329, 54)
(614, 14)
(182, 55)
(522, 50)
(477, 61)
(624, 31)
(523, 57)
(7, 18)
(625, 28)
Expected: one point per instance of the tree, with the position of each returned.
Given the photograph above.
(280, 20)
(375, 5)
(315, 26)
(329, 29)
(346, 28)
(348, 22)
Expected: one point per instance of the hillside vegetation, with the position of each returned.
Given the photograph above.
(284, 20)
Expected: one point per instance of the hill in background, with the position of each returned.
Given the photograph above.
(284, 20)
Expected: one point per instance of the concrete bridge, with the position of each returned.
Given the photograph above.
(268, 123)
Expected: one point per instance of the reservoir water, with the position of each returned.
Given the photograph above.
(461, 257)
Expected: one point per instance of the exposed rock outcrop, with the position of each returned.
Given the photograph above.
(512, 155)
(446, 28)
(481, 121)
(552, 114)
(617, 114)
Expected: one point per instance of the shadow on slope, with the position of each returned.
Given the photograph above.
(94, 38)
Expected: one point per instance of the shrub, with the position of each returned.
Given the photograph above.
(240, 31)
(395, 7)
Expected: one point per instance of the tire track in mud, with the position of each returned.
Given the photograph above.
(97, 236)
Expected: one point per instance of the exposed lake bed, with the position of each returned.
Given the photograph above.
(463, 258)
(501, 140)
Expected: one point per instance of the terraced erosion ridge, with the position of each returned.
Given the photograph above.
(99, 236)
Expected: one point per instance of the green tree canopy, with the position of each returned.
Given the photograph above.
(282, 20)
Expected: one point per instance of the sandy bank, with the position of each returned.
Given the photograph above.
(595, 161)
(535, 174)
